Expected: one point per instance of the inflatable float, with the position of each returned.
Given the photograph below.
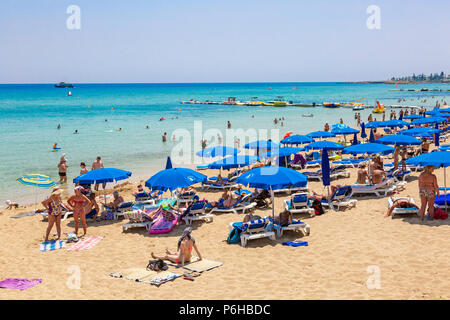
(161, 224)
(379, 109)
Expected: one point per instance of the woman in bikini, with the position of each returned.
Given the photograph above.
(428, 189)
(184, 250)
(79, 202)
(53, 204)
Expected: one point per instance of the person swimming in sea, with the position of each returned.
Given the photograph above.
(76, 131)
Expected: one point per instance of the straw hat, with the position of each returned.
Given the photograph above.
(56, 192)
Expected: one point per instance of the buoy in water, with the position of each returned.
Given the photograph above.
(70, 93)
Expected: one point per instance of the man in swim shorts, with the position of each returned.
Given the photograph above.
(98, 164)
(62, 167)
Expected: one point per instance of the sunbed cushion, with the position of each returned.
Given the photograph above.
(440, 201)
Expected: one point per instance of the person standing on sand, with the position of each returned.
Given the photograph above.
(79, 203)
(428, 190)
(326, 127)
(98, 164)
(341, 121)
(62, 170)
(396, 156)
(384, 115)
(53, 204)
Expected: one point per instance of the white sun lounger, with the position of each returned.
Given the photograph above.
(401, 211)
(298, 204)
(137, 220)
(255, 229)
(197, 213)
(380, 189)
(340, 198)
(299, 226)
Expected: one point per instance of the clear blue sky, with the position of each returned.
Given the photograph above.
(221, 40)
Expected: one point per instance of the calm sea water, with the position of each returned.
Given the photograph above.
(29, 115)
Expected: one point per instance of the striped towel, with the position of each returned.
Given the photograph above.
(52, 245)
(86, 243)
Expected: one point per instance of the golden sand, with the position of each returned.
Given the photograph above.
(412, 256)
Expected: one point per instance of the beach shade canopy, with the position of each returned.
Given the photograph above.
(355, 139)
(428, 120)
(233, 162)
(325, 168)
(36, 180)
(272, 178)
(412, 117)
(343, 130)
(399, 140)
(321, 134)
(102, 175)
(371, 137)
(363, 131)
(319, 145)
(218, 151)
(282, 152)
(262, 144)
(369, 148)
(171, 179)
(297, 139)
(419, 132)
(169, 163)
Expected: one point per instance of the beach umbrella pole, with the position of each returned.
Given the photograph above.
(445, 189)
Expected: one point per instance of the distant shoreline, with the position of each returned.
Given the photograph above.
(403, 82)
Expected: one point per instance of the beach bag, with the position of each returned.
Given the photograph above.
(318, 208)
(234, 236)
(440, 214)
(157, 265)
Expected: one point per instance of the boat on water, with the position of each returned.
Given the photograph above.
(279, 102)
(358, 108)
(192, 101)
(64, 85)
(308, 115)
(331, 104)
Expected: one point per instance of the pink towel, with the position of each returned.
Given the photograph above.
(85, 243)
(21, 284)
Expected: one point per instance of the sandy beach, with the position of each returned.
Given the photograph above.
(411, 256)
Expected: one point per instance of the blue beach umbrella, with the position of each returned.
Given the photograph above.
(171, 179)
(363, 131)
(344, 130)
(325, 168)
(419, 132)
(436, 139)
(102, 175)
(282, 152)
(435, 159)
(169, 163)
(399, 140)
(319, 145)
(297, 139)
(272, 178)
(375, 124)
(233, 162)
(428, 120)
(412, 117)
(321, 134)
(372, 137)
(261, 144)
(394, 123)
(369, 148)
(217, 151)
(355, 139)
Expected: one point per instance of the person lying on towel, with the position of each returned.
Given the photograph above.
(401, 203)
(184, 249)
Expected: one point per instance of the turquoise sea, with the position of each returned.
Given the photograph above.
(30, 114)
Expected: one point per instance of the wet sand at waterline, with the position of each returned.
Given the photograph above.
(411, 255)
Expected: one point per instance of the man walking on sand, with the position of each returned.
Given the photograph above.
(98, 164)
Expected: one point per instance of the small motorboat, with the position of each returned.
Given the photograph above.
(308, 115)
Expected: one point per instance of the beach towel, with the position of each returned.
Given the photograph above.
(52, 245)
(295, 243)
(198, 266)
(86, 243)
(21, 284)
(146, 276)
(25, 214)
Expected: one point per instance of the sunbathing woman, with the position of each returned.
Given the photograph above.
(184, 249)
(428, 189)
(223, 198)
(401, 203)
(53, 204)
(79, 202)
(327, 196)
(284, 218)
